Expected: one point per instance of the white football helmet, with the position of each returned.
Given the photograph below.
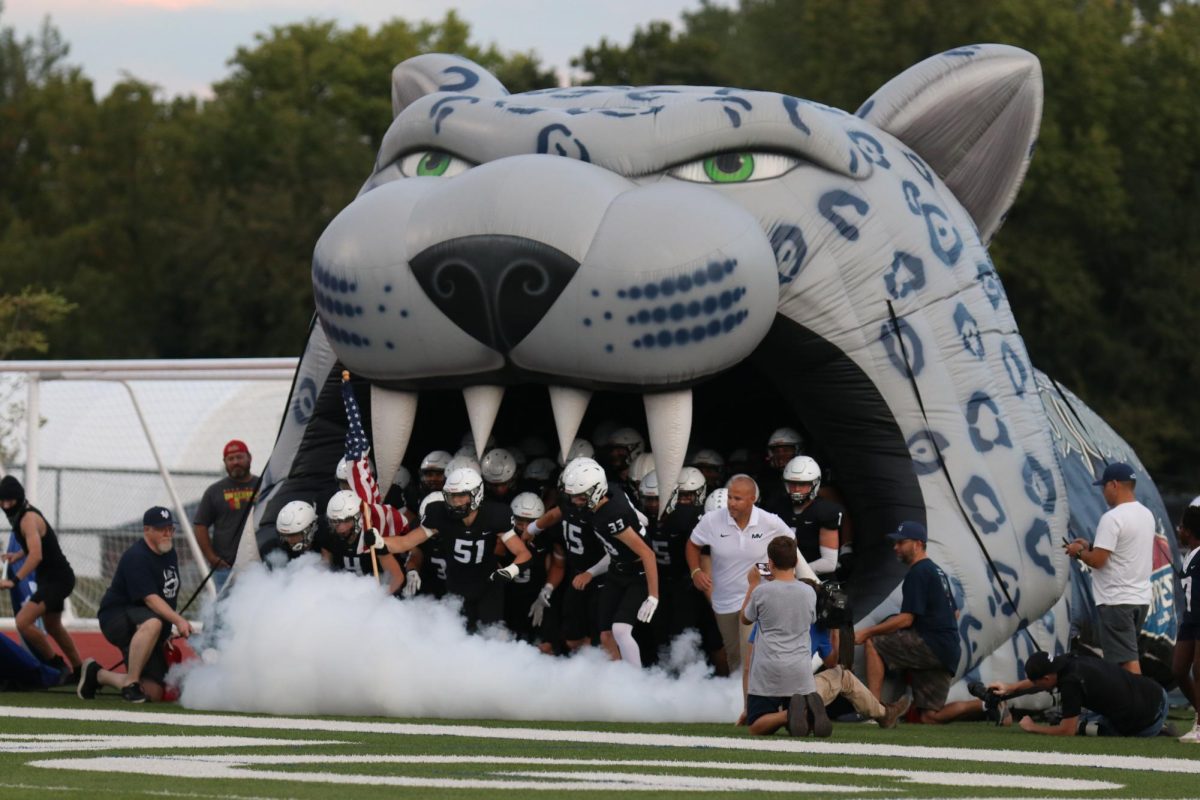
(437, 460)
(649, 485)
(342, 473)
(297, 517)
(540, 470)
(345, 505)
(432, 497)
(518, 456)
(580, 448)
(630, 439)
(784, 437)
(718, 499)
(498, 466)
(707, 458)
(691, 482)
(461, 462)
(463, 480)
(640, 467)
(402, 478)
(527, 505)
(583, 477)
(802, 469)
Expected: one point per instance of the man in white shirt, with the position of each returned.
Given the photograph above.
(1121, 558)
(737, 537)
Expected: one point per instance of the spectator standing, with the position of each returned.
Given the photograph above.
(1121, 558)
(1186, 663)
(222, 511)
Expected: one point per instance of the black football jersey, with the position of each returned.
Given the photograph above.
(1191, 592)
(668, 538)
(819, 515)
(610, 520)
(470, 551)
(581, 547)
(341, 553)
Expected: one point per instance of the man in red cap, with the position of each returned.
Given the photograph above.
(222, 511)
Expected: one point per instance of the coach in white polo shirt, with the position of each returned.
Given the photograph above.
(737, 537)
(1122, 558)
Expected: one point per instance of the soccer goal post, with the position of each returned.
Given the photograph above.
(96, 443)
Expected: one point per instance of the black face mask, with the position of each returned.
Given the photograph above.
(14, 512)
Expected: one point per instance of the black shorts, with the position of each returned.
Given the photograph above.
(482, 604)
(120, 624)
(53, 590)
(620, 599)
(581, 611)
(757, 706)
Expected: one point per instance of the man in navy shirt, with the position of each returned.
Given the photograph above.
(923, 638)
(137, 612)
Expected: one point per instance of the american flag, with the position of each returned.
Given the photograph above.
(387, 519)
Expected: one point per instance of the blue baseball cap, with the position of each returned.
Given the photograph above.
(1116, 471)
(158, 517)
(909, 530)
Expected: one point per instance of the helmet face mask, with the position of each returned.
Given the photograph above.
(433, 470)
(463, 491)
(690, 490)
(782, 446)
(296, 525)
(345, 507)
(802, 479)
(585, 483)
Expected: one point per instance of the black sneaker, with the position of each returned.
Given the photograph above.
(821, 726)
(797, 716)
(89, 679)
(133, 693)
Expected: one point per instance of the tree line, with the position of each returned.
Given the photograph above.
(144, 226)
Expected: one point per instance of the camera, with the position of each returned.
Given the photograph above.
(993, 704)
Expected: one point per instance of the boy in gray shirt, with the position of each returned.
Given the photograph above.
(781, 689)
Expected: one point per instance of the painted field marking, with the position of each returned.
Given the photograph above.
(68, 743)
(762, 745)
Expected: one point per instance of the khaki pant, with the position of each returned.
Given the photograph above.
(841, 681)
(732, 630)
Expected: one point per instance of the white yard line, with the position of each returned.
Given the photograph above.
(762, 745)
(68, 743)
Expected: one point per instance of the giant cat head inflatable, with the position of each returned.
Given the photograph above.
(650, 239)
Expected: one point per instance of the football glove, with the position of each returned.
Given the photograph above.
(412, 583)
(646, 612)
(538, 610)
(506, 574)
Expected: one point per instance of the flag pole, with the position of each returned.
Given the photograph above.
(366, 508)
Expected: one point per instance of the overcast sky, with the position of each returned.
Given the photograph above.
(182, 45)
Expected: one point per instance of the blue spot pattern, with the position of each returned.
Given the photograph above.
(982, 408)
(871, 149)
(968, 331)
(997, 601)
(912, 196)
(337, 307)
(912, 344)
(443, 108)
(986, 275)
(920, 166)
(830, 201)
(947, 244)
(735, 118)
(344, 336)
(924, 447)
(865, 109)
(1038, 534)
(642, 96)
(555, 147)
(906, 276)
(1039, 485)
(1015, 367)
(787, 241)
(963, 52)
(980, 499)
(792, 106)
(714, 272)
(695, 334)
(468, 79)
(693, 308)
(305, 401)
(332, 283)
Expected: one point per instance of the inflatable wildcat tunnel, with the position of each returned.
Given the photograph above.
(717, 262)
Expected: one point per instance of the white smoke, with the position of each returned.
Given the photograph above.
(303, 640)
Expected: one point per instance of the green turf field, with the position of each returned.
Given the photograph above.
(54, 745)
